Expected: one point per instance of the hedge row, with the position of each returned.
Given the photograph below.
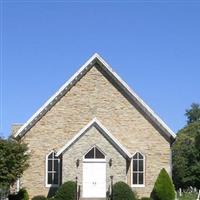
(163, 190)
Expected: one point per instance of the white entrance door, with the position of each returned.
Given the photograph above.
(94, 179)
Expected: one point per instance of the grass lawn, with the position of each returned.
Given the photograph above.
(188, 196)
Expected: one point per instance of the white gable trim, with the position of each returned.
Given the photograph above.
(53, 98)
(104, 131)
(144, 105)
(63, 90)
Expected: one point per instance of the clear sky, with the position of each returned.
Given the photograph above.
(154, 46)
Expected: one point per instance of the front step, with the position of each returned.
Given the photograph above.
(92, 198)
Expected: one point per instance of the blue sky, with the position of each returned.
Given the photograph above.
(154, 47)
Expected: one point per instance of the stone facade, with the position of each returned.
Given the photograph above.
(91, 138)
(94, 95)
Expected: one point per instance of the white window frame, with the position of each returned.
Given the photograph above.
(94, 159)
(46, 181)
(144, 166)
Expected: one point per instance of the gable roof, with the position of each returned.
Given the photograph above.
(97, 124)
(168, 133)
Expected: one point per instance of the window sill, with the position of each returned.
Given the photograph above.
(136, 186)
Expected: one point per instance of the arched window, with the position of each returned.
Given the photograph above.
(52, 170)
(137, 170)
(94, 153)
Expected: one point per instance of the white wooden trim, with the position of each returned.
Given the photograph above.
(144, 175)
(46, 172)
(105, 131)
(137, 185)
(18, 185)
(48, 104)
(136, 96)
(89, 160)
(94, 159)
(53, 97)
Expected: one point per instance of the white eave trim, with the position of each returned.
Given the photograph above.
(55, 95)
(73, 80)
(137, 97)
(105, 131)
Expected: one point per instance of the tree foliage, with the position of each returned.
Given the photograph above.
(186, 152)
(13, 160)
(163, 188)
(193, 113)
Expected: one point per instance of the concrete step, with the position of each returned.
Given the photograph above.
(92, 198)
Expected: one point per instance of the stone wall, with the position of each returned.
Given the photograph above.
(91, 138)
(95, 96)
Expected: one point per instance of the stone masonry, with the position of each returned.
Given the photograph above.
(91, 138)
(94, 95)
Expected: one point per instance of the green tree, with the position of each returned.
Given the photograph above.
(186, 152)
(13, 160)
(193, 113)
(163, 188)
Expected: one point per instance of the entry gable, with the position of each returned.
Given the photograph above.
(97, 124)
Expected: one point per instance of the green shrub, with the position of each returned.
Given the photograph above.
(39, 197)
(163, 188)
(21, 195)
(122, 191)
(66, 191)
(146, 198)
